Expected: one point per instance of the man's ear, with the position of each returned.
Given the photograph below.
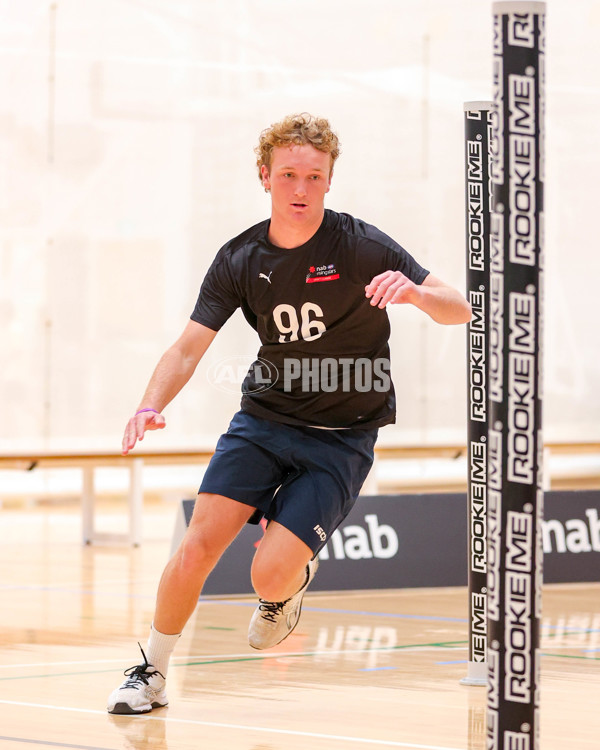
(329, 183)
(264, 172)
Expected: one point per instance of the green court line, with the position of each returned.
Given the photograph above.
(572, 656)
(216, 627)
(443, 644)
(236, 659)
(582, 631)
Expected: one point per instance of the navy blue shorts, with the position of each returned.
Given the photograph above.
(305, 478)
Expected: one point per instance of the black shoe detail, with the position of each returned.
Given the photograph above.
(271, 610)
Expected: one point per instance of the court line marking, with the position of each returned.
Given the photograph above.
(444, 645)
(242, 727)
(459, 661)
(376, 669)
(573, 656)
(566, 630)
(432, 618)
(53, 744)
(204, 602)
(252, 603)
(68, 590)
(231, 658)
(224, 658)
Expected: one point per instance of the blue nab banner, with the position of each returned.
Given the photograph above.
(417, 541)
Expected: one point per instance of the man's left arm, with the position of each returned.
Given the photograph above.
(442, 302)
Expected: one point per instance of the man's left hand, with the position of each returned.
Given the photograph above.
(393, 287)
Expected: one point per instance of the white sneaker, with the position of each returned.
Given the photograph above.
(272, 622)
(143, 690)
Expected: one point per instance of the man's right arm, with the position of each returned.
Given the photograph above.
(172, 372)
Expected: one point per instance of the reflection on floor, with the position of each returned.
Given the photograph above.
(375, 669)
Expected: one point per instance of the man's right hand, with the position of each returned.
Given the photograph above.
(137, 426)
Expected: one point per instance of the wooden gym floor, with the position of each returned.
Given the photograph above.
(362, 670)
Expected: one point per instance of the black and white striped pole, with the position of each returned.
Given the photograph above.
(515, 445)
(477, 203)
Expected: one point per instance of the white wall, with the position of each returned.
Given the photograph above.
(123, 174)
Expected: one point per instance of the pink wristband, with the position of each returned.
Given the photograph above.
(141, 410)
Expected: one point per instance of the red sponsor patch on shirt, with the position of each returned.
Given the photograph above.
(333, 276)
(325, 272)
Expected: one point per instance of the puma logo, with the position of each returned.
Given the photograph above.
(264, 276)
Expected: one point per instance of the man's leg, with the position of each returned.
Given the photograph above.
(279, 565)
(281, 571)
(215, 523)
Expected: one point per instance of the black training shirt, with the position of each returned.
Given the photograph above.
(324, 355)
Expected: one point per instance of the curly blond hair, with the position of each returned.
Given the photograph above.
(299, 130)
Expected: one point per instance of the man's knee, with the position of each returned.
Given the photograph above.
(277, 581)
(196, 553)
(270, 582)
(215, 523)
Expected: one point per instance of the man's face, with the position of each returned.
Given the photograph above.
(298, 180)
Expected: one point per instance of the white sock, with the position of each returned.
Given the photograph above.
(159, 649)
